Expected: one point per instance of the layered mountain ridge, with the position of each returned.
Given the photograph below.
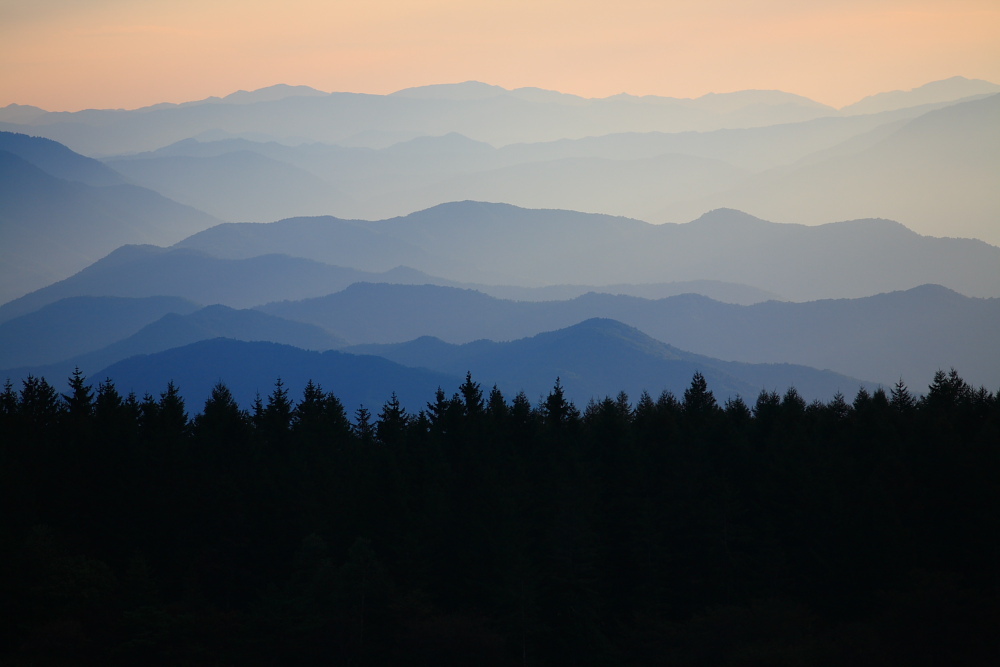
(515, 227)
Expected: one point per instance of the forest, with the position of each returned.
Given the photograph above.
(484, 529)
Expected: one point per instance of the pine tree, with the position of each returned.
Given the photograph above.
(698, 398)
(308, 413)
(8, 404)
(472, 396)
(947, 392)
(319, 420)
(39, 404)
(738, 412)
(392, 422)
(149, 414)
(275, 418)
(901, 399)
(862, 400)
(108, 402)
(172, 415)
(792, 403)
(80, 400)
(556, 410)
(363, 428)
(222, 425)
(839, 408)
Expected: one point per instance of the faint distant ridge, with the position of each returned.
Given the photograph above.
(250, 368)
(20, 113)
(720, 103)
(145, 270)
(58, 160)
(66, 211)
(923, 166)
(597, 355)
(735, 220)
(951, 89)
(228, 186)
(468, 90)
(79, 324)
(594, 358)
(947, 90)
(480, 111)
(467, 241)
(178, 329)
(724, 103)
(908, 333)
(937, 171)
(271, 93)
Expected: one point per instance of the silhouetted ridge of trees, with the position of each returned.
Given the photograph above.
(487, 530)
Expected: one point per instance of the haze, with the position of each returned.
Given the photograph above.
(63, 55)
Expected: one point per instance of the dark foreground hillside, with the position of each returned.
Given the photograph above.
(483, 530)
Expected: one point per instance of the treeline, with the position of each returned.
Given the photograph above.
(484, 530)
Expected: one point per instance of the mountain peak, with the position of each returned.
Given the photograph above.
(20, 113)
(934, 290)
(945, 90)
(883, 225)
(465, 91)
(728, 216)
(605, 325)
(271, 93)
(607, 329)
(450, 142)
(739, 99)
(57, 160)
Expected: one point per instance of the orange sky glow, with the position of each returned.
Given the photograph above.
(71, 55)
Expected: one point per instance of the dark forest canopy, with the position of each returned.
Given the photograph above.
(487, 530)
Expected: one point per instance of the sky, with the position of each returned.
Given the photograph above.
(66, 55)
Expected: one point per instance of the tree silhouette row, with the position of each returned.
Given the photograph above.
(488, 530)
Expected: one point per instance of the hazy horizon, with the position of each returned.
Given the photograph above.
(224, 94)
(63, 56)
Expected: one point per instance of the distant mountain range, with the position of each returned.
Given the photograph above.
(57, 160)
(925, 165)
(475, 242)
(62, 211)
(471, 243)
(477, 110)
(530, 254)
(939, 171)
(485, 113)
(176, 328)
(595, 356)
(594, 359)
(146, 271)
(251, 368)
(957, 87)
(501, 244)
(142, 271)
(713, 289)
(240, 185)
(80, 324)
(908, 334)
(925, 160)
